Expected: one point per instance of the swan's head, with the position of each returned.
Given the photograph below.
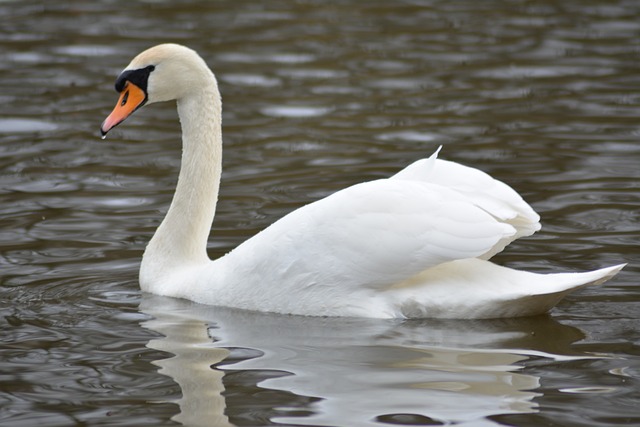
(162, 73)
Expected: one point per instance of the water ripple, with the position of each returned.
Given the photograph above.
(317, 96)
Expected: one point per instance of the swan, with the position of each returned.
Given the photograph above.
(415, 245)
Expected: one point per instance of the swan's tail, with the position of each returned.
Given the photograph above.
(555, 288)
(477, 289)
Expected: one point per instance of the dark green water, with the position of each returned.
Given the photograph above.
(317, 96)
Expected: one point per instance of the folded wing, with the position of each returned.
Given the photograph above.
(374, 235)
(480, 189)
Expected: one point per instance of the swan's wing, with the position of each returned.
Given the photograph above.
(480, 189)
(372, 235)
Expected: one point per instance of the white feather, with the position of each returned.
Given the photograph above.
(413, 245)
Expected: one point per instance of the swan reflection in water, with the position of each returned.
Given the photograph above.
(350, 371)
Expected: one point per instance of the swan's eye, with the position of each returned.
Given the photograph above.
(125, 97)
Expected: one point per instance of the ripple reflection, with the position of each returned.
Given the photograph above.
(349, 371)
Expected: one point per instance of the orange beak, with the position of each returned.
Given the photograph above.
(131, 98)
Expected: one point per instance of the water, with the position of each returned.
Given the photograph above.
(317, 96)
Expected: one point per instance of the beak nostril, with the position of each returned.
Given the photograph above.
(125, 97)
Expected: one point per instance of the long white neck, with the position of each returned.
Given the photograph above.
(181, 238)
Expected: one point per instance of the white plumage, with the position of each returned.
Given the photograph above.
(413, 245)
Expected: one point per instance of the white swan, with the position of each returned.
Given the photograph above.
(413, 245)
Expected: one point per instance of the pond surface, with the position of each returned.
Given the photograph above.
(317, 96)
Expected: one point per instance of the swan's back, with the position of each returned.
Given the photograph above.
(407, 246)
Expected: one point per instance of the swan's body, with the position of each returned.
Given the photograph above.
(413, 245)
